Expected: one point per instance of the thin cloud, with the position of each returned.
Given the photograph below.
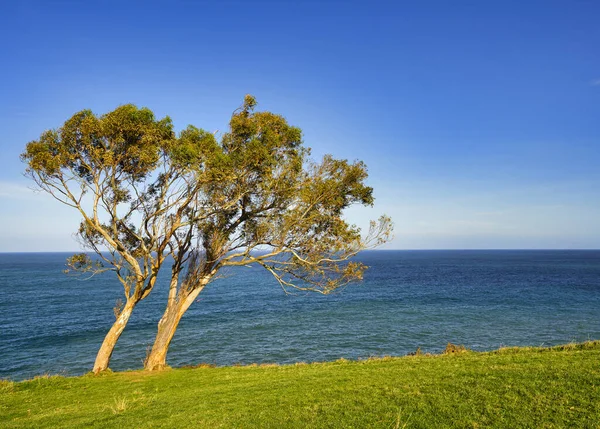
(16, 191)
(595, 82)
(491, 213)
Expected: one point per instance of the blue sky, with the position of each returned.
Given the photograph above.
(479, 121)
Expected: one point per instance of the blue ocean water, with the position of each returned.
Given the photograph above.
(53, 324)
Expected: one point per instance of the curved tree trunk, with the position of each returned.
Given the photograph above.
(108, 345)
(157, 359)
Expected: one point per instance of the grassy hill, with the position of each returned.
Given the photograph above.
(513, 387)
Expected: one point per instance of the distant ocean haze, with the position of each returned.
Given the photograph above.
(52, 323)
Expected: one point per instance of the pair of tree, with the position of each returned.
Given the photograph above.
(147, 196)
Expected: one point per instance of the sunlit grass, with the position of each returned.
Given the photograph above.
(510, 387)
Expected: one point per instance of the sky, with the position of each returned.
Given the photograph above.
(479, 121)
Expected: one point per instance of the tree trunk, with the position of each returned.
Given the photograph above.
(176, 308)
(108, 345)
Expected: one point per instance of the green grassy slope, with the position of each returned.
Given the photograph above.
(526, 387)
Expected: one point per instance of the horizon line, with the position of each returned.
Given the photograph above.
(366, 250)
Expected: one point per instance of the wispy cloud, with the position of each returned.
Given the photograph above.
(16, 191)
(595, 82)
(491, 213)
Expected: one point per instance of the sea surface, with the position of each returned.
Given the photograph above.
(51, 323)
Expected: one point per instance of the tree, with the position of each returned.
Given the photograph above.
(122, 173)
(253, 197)
(261, 201)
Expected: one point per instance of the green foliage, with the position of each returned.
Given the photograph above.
(195, 149)
(253, 189)
(145, 193)
(127, 141)
(551, 388)
(105, 156)
(83, 263)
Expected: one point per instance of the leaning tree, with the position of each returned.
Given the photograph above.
(125, 175)
(260, 200)
(251, 197)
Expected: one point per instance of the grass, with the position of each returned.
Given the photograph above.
(513, 387)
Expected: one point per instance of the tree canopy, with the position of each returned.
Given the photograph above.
(249, 196)
(117, 170)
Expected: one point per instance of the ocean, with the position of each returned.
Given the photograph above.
(51, 323)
